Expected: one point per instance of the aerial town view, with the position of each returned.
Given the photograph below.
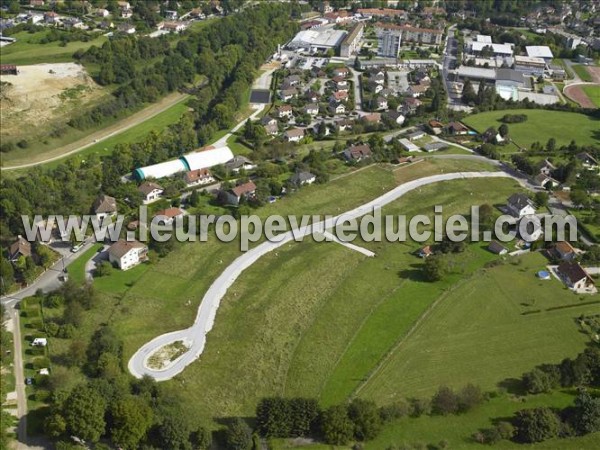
(299, 224)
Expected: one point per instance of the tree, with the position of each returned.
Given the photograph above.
(537, 381)
(486, 216)
(366, 418)
(131, 419)
(195, 198)
(84, 413)
(336, 426)
(503, 130)
(435, 268)
(541, 199)
(468, 94)
(7, 275)
(44, 255)
(579, 197)
(103, 269)
(238, 435)
(445, 401)
(469, 397)
(536, 425)
(587, 415)
(174, 430)
(551, 145)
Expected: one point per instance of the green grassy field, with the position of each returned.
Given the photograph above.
(501, 343)
(132, 135)
(582, 72)
(322, 319)
(76, 270)
(542, 125)
(28, 50)
(326, 316)
(593, 92)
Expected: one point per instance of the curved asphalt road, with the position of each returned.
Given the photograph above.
(195, 336)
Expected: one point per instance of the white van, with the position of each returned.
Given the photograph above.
(39, 342)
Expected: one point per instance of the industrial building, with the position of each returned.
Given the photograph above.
(320, 39)
(539, 51)
(530, 65)
(203, 159)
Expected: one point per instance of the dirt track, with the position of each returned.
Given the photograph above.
(105, 133)
(577, 94)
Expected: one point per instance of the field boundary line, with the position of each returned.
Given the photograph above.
(383, 362)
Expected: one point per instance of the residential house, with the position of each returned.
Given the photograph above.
(126, 13)
(270, 125)
(21, 247)
(172, 27)
(312, 96)
(239, 162)
(546, 167)
(301, 178)
(341, 72)
(285, 111)
(168, 216)
(395, 116)
(497, 248)
(386, 92)
(408, 146)
(381, 103)
(424, 252)
(457, 129)
(415, 135)
(416, 90)
(340, 82)
(294, 135)
(171, 15)
(104, 206)
(127, 254)
(150, 191)
(575, 277)
(520, 205)
(377, 77)
(311, 109)
(339, 96)
(126, 28)
(434, 146)
(375, 87)
(292, 80)
(198, 177)
(546, 182)
(587, 160)
(344, 124)
(288, 94)
(372, 118)
(51, 17)
(357, 152)
(564, 251)
(101, 12)
(410, 105)
(337, 107)
(73, 22)
(36, 3)
(247, 190)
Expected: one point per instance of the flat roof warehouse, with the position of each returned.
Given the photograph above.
(320, 38)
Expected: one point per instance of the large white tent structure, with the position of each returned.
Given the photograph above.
(208, 157)
(162, 170)
(202, 159)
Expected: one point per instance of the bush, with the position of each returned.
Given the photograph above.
(513, 118)
(419, 407)
(445, 401)
(394, 411)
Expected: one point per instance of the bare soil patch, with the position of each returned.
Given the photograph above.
(41, 95)
(577, 94)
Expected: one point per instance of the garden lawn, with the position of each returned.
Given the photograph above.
(541, 125)
(76, 269)
(593, 92)
(28, 50)
(582, 72)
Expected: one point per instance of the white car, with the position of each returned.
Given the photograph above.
(76, 248)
